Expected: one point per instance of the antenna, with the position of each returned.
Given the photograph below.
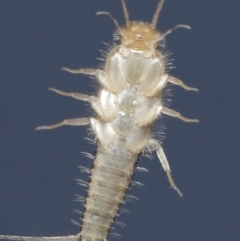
(125, 11)
(156, 14)
(173, 28)
(113, 19)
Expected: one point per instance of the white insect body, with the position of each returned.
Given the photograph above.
(128, 103)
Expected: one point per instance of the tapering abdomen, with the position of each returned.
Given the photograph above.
(111, 176)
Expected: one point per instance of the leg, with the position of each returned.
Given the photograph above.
(100, 74)
(166, 78)
(71, 94)
(166, 168)
(93, 100)
(69, 122)
(80, 71)
(176, 81)
(176, 114)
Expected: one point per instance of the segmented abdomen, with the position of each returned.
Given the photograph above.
(110, 177)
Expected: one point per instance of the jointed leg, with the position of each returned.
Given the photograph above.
(176, 114)
(69, 122)
(93, 100)
(100, 74)
(74, 95)
(166, 168)
(80, 71)
(166, 78)
(176, 81)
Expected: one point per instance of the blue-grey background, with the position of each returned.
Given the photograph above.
(38, 169)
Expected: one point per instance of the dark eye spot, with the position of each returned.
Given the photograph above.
(139, 37)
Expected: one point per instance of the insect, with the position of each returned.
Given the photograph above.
(128, 102)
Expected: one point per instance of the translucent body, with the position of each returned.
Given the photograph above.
(128, 103)
(127, 134)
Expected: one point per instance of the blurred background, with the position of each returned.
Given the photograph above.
(38, 169)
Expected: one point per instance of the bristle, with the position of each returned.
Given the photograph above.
(141, 169)
(131, 198)
(121, 224)
(82, 183)
(84, 169)
(75, 223)
(79, 198)
(88, 155)
(123, 210)
(138, 184)
(78, 211)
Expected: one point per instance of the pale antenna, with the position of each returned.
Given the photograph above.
(113, 19)
(156, 14)
(125, 11)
